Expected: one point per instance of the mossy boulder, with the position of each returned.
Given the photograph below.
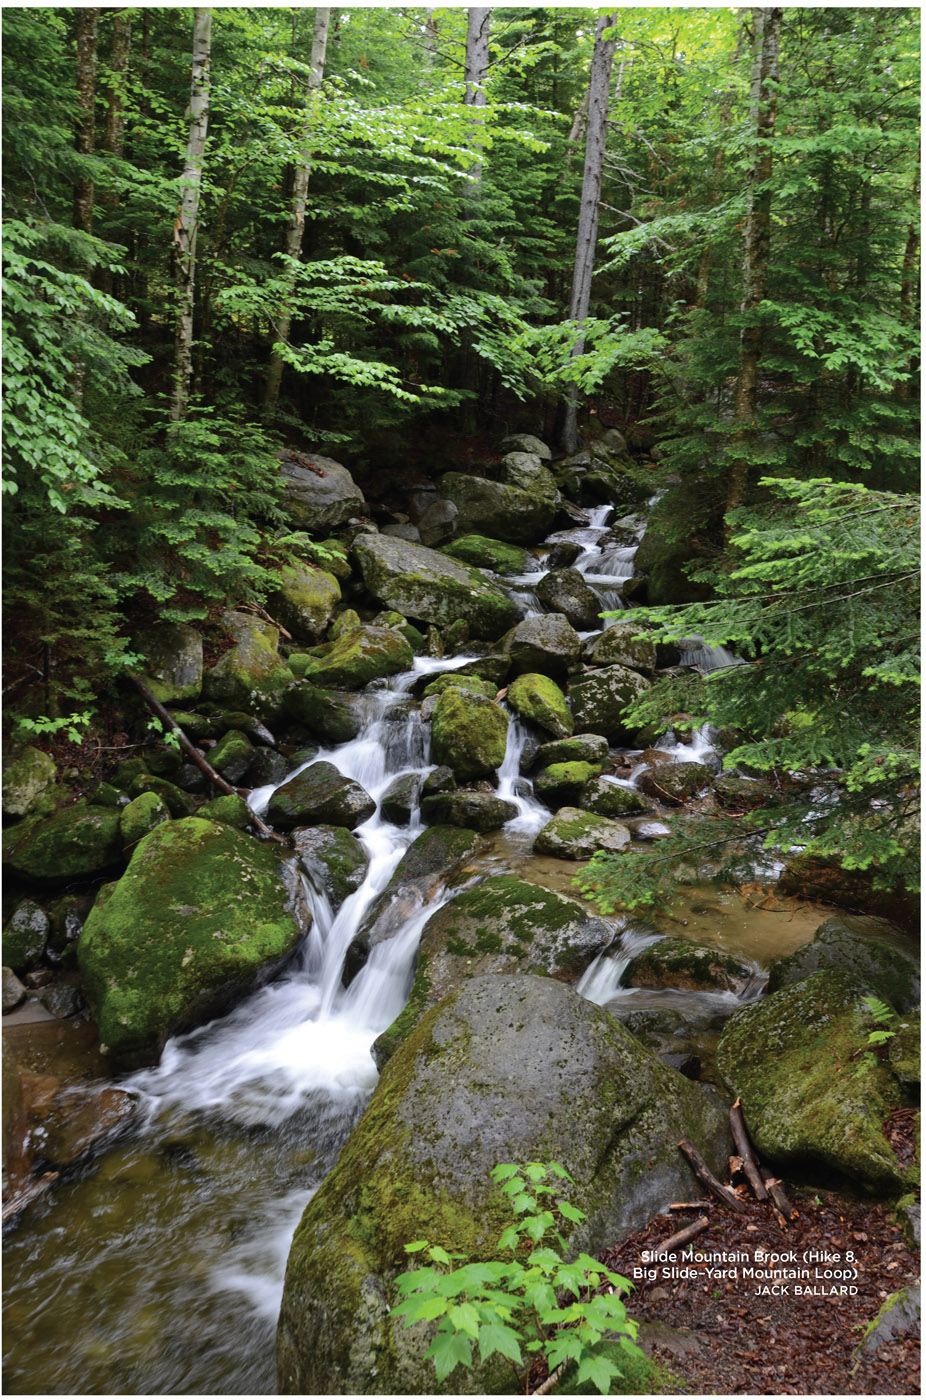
(320, 793)
(28, 774)
(333, 858)
(539, 699)
(177, 802)
(321, 494)
(675, 782)
(481, 552)
(545, 644)
(578, 748)
(810, 1099)
(229, 809)
(873, 950)
(566, 591)
(427, 586)
(306, 601)
(469, 733)
(335, 715)
(576, 835)
(359, 656)
(526, 471)
(80, 841)
(467, 808)
(232, 756)
(561, 784)
(453, 680)
(202, 914)
(252, 676)
(611, 799)
(25, 936)
(173, 665)
(622, 644)
(599, 701)
(484, 507)
(691, 967)
(506, 1069)
(142, 815)
(527, 442)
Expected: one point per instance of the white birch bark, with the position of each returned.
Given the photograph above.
(185, 227)
(475, 73)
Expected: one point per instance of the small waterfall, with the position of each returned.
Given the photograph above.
(696, 653)
(532, 815)
(600, 982)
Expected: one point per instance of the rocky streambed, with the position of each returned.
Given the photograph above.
(341, 1033)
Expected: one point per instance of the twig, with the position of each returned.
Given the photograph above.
(744, 1147)
(30, 1192)
(704, 1174)
(683, 1237)
(550, 1381)
(781, 1201)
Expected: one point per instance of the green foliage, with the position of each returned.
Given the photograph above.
(72, 725)
(820, 600)
(887, 1021)
(520, 1307)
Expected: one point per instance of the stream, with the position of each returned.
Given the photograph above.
(160, 1270)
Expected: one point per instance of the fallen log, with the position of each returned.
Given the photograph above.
(745, 1149)
(707, 1178)
(682, 1237)
(193, 753)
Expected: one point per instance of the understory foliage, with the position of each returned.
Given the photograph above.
(820, 605)
(530, 1301)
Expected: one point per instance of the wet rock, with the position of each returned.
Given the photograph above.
(306, 601)
(695, 967)
(81, 840)
(202, 914)
(741, 794)
(873, 950)
(539, 699)
(400, 800)
(320, 793)
(25, 936)
(454, 680)
(252, 676)
(229, 809)
(337, 716)
(565, 591)
(14, 993)
(599, 700)
(610, 799)
(437, 523)
(360, 656)
(577, 835)
(578, 748)
(825, 879)
(142, 815)
(508, 1068)
(480, 811)
(62, 999)
(676, 782)
(28, 774)
(320, 499)
(563, 554)
(492, 507)
(173, 666)
(561, 784)
(547, 644)
(808, 1097)
(177, 802)
(334, 859)
(266, 767)
(622, 644)
(481, 552)
(400, 531)
(431, 587)
(468, 733)
(440, 779)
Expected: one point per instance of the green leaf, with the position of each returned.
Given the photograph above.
(449, 1349)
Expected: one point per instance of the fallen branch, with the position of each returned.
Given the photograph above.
(192, 752)
(707, 1178)
(683, 1237)
(781, 1201)
(745, 1150)
(689, 1205)
(30, 1192)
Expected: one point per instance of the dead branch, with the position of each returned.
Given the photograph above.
(683, 1237)
(707, 1178)
(745, 1149)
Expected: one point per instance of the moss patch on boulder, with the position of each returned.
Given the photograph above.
(469, 733)
(676, 962)
(252, 676)
(306, 601)
(539, 699)
(481, 552)
(359, 656)
(871, 949)
(81, 840)
(576, 835)
(28, 774)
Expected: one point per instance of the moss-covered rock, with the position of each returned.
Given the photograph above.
(468, 733)
(675, 782)
(345, 621)
(430, 587)
(232, 756)
(526, 471)
(320, 793)
(578, 748)
(229, 809)
(599, 701)
(873, 950)
(362, 655)
(566, 591)
(622, 644)
(399, 802)
(809, 1097)
(81, 840)
(539, 699)
(611, 799)
(306, 601)
(321, 494)
(177, 802)
(467, 808)
(486, 507)
(561, 784)
(201, 915)
(337, 716)
(173, 665)
(481, 552)
(452, 679)
(333, 858)
(506, 1069)
(694, 967)
(28, 774)
(545, 644)
(25, 936)
(142, 815)
(331, 555)
(741, 794)
(252, 676)
(577, 835)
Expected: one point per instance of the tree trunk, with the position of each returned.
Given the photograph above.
(475, 72)
(114, 132)
(84, 141)
(766, 36)
(186, 225)
(587, 236)
(293, 241)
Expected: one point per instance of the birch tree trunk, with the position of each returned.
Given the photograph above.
(295, 228)
(186, 225)
(114, 131)
(766, 37)
(475, 72)
(595, 145)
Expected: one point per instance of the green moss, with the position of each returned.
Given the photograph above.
(469, 733)
(484, 553)
(359, 656)
(452, 680)
(81, 840)
(539, 699)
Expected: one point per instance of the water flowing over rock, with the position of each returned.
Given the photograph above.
(202, 914)
(320, 493)
(320, 793)
(426, 585)
(334, 858)
(505, 1069)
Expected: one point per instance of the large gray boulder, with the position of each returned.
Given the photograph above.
(320, 493)
(306, 601)
(320, 793)
(494, 508)
(599, 700)
(507, 1069)
(173, 665)
(526, 471)
(871, 949)
(565, 591)
(546, 644)
(428, 586)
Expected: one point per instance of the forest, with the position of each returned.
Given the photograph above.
(452, 458)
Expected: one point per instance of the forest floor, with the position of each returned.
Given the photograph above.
(725, 1336)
